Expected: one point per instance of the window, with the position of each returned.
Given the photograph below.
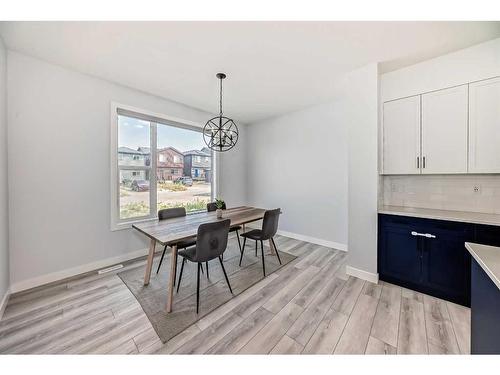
(139, 187)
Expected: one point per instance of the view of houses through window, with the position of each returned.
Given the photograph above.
(183, 175)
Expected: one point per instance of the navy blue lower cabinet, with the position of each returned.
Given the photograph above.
(400, 254)
(485, 313)
(426, 255)
(446, 263)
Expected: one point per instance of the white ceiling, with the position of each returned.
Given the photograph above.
(272, 67)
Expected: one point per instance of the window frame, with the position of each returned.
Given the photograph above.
(155, 119)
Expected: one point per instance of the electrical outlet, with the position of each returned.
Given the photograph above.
(477, 189)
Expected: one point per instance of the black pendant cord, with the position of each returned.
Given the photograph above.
(220, 115)
(220, 98)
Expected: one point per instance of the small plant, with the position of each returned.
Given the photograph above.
(219, 203)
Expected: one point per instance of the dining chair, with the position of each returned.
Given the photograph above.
(171, 213)
(211, 242)
(268, 231)
(212, 207)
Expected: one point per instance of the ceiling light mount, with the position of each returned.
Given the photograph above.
(220, 133)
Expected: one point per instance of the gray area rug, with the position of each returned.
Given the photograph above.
(214, 291)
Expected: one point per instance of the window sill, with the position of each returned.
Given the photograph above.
(128, 225)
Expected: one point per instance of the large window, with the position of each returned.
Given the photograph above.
(152, 161)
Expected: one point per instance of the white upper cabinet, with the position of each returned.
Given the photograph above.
(444, 131)
(484, 126)
(401, 136)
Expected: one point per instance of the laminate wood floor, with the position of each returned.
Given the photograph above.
(310, 306)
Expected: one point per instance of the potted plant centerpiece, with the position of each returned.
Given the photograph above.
(219, 203)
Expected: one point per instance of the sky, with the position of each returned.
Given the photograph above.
(134, 133)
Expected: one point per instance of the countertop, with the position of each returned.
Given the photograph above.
(426, 213)
(488, 258)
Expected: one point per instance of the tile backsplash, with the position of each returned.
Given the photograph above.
(446, 192)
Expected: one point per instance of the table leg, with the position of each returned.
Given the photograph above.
(243, 229)
(173, 262)
(149, 264)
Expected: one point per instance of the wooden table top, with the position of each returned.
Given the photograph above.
(173, 230)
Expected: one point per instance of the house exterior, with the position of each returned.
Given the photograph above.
(131, 157)
(170, 164)
(198, 164)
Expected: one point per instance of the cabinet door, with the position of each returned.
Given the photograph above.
(399, 254)
(446, 263)
(484, 126)
(401, 136)
(444, 131)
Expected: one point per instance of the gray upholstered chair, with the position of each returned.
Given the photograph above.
(171, 213)
(268, 231)
(212, 207)
(211, 242)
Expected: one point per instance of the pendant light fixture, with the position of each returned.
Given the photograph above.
(220, 133)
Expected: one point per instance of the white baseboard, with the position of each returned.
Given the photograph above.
(3, 303)
(302, 237)
(314, 240)
(361, 274)
(60, 275)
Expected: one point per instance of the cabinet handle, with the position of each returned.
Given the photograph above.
(427, 235)
(418, 162)
(423, 162)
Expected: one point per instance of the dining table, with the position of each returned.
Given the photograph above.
(169, 232)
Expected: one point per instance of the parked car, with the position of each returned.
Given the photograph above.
(186, 181)
(140, 185)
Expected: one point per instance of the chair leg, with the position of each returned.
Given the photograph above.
(180, 275)
(255, 247)
(263, 263)
(198, 287)
(225, 275)
(276, 250)
(161, 259)
(206, 265)
(243, 249)
(239, 243)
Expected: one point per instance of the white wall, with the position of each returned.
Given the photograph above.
(4, 215)
(233, 171)
(298, 162)
(360, 98)
(320, 166)
(59, 139)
